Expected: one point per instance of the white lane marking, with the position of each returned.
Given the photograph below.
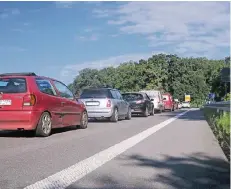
(74, 173)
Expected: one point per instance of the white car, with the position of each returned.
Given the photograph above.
(157, 99)
(185, 104)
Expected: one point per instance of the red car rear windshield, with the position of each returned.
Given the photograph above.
(13, 85)
(165, 97)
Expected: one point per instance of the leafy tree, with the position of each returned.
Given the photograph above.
(166, 72)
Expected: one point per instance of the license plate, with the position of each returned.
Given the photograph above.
(5, 102)
(92, 103)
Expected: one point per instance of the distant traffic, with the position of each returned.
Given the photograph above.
(39, 104)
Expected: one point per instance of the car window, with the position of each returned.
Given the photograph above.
(165, 97)
(132, 96)
(114, 94)
(95, 93)
(147, 97)
(153, 95)
(119, 96)
(45, 86)
(160, 96)
(63, 90)
(13, 85)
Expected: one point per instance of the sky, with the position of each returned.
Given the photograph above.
(58, 39)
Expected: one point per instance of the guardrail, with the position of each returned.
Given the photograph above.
(224, 106)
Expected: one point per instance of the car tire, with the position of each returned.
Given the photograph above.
(44, 126)
(146, 112)
(115, 116)
(83, 120)
(129, 114)
(153, 111)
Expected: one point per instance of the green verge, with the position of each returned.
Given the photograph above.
(219, 122)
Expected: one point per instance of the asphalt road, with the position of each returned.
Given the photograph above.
(159, 152)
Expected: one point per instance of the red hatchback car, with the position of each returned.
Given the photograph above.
(168, 101)
(31, 102)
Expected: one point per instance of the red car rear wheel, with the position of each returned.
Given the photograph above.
(44, 126)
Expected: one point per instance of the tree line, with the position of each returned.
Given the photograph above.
(165, 72)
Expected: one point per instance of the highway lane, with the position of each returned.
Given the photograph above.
(26, 160)
(185, 154)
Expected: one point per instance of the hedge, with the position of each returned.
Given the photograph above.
(219, 122)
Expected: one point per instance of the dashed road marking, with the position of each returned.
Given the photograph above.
(77, 171)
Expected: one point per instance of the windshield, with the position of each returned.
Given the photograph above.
(132, 96)
(95, 93)
(165, 97)
(153, 96)
(13, 85)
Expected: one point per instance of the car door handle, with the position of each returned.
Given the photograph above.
(62, 103)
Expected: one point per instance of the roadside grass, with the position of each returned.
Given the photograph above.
(219, 122)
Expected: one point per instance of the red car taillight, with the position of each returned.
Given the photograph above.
(108, 103)
(29, 100)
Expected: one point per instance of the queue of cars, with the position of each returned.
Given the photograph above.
(37, 103)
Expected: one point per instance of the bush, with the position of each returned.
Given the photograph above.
(227, 97)
(219, 122)
(224, 122)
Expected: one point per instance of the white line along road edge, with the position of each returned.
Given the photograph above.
(74, 173)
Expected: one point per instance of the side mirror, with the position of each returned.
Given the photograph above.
(164, 98)
(152, 99)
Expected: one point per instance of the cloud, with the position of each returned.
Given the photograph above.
(15, 11)
(100, 13)
(69, 72)
(64, 4)
(91, 37)
(114, 35)
(184, 27)
(88, 34)
(26, 24)
(22, 27)
(96, 3)
(5, 13)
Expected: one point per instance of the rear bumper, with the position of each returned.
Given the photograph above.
(138, 109)
(100, 113)
(168, 107)
(14, 120)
